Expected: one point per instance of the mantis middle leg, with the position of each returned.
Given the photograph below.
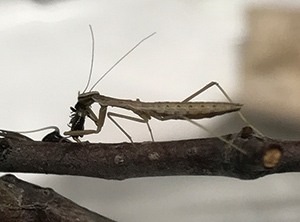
(140, 120)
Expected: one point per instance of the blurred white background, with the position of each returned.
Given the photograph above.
(45, 52)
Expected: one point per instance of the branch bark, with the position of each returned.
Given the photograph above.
(209, 156)
(22, 201)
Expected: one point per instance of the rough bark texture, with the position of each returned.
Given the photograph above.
(209, 156)
(246, 155)
(24, 202)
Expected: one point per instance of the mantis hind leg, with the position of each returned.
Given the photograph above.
(110, 115)
(208, 86)
(218, 136)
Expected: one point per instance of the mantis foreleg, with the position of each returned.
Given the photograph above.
(99, 121)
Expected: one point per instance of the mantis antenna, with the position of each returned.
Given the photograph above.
(116, 62)
(92, 62)
(55, 128)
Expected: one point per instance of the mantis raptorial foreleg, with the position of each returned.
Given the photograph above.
(98, 121)
(140, 120)
(209, 85)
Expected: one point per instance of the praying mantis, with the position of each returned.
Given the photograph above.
(184, 110)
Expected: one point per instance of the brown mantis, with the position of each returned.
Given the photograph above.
(184, 110)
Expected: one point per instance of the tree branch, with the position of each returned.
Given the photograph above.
(209, 156)
(22, 201)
